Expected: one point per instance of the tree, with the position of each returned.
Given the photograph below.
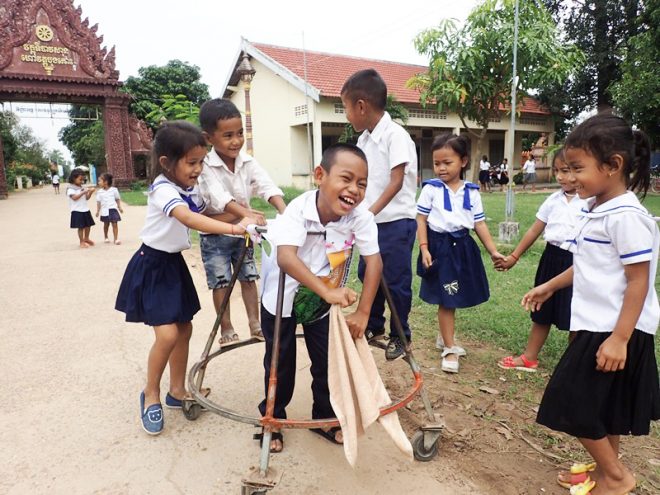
(24, 154)
(174, 108)
(84, 136)
(471, 68)
(637, 93)
(8, 122)
(153, 82)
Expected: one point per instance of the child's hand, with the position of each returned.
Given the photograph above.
(97, 214)
(357, 324)
(245, 221)
(497, 256)
(342, 296)
(427, 259)
(258, 216)
(534, 299)
(504, 264)
(121, 210)
(611, 355)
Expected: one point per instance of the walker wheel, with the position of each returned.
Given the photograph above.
(191, 410)
(420, 451)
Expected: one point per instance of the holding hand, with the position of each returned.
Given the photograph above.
(611, 355)
(357, 324)
(534, 299)
(503, 265)
(427, 259)
(496, 256)
(342, 296)
(258, 216)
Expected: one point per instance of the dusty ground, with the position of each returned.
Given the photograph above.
(72, 372)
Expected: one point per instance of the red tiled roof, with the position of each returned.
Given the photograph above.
(327, 72)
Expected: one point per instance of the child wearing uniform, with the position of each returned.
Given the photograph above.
(229, 179)
(484, 173)
(529, 173)
(56, 183)
(81, 218)
(606, 383)
(317, 267)
(449, 262)
(556, 219)
(157, 289)
(392, 160)
(108, 202)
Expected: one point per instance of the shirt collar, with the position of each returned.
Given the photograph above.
(382, 124)
(625, 202)
(162, 179)
(214, 160)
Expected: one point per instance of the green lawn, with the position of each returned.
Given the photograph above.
(501, 321)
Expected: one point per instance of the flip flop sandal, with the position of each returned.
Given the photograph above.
(229, 338)
(256, 333)
(583, 488)
(329, 435)
(507, 363)
(276, 435)
(578, 473)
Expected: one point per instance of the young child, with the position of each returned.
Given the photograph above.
(453, 275)
(81, 218)
(484, 173)
(56, 183)
(317, 267)
(157, 289)
(392, 160)
(108, 202)
(556, 219)
(503, 174)
(606, 383)
(529, 173)
(229, 179)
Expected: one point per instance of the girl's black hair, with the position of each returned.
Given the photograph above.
(459, 144)
(107, 178)
(605, 135)
(75, 173)
(173, 140)
(560, 155)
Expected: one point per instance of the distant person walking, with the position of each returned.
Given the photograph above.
(81, 218)
(529, 173)
(55, 179)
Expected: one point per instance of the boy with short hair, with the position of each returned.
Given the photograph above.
(317, 267)
(228, 180)
(392, 160)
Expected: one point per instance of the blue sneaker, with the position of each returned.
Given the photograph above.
(173, 402)
(152, 417)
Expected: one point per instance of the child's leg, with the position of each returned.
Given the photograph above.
(115, 231)
(611, 476)
(179, 360)
(537, 337)
(81, 238)
(106, 226)
(446, 320)
(251, 301)
(226, 327)
(166, 339)
(86, 235)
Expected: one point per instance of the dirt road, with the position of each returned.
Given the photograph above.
(72, 371)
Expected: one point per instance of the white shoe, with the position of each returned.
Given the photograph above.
(458, 350)
(447, 365)
(439, 342)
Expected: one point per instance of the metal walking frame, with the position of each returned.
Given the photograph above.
(262, 478)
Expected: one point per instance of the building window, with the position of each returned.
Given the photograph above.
(339, 108)
(533, 121)
(426, 113)
(300, 110)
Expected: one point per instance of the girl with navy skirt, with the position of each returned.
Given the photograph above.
(556, 220)
(81, 217)
(157, 288)
(606, 383)
(449, 262)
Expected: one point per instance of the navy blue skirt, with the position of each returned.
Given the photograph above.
(112, 217)
(457, 278)
(81, 219)
(157, 289)
(586, 403)
(556, 310)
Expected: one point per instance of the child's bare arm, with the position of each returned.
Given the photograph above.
(528, 239)
(278, 203)
(534, 299)
(357, 321)
(197, 221)
(484, 236)
(422, 237)
(119, 206)
(394, 186)
(98, 208)
(88, 192)
(234, 211)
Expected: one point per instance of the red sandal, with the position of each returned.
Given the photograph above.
(507, 363)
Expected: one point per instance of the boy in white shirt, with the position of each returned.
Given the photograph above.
(228, 180)
(316, 268)
(392, 160)
(529, 173)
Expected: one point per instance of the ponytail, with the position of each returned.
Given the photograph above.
(641, 163)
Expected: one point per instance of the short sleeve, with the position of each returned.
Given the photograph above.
(632, 236)
(116, 193)
(261, 184)
(399, 148)
(544, 210)
(288, 229)
(70, 191)
(425, 200)
(165, 197)
(366, 232)
(477, 207)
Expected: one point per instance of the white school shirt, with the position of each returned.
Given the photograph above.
(387, 146)
(218, 185)
(617, 233)
(161, 230)
(290, 229)
(79, 204)
(108, 199)
(560, 216)
(446, 210)
(529, 167)
(55, 179)
(484, 165)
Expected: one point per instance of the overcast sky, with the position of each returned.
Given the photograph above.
(207, 33)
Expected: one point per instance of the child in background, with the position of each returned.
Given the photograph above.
(556, 219)
(606, 383)
(108, 202)
(484, 173)
(503, 174)
(229, 179)
(392, 161)
(56, 183)
(453, 275)
(317, 267)
(157, 289)
(81, 218)
(529, 173)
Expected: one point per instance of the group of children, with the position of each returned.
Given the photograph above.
(108, 206)
(605, 385)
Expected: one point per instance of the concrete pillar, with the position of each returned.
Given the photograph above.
(117, 143)
(4, 194)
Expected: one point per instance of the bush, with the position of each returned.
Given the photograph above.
(138, 185)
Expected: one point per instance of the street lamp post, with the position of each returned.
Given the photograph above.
(246, 71)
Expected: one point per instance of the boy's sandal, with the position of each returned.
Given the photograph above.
(579, 473)
(583, 488)
(274, 437)
(330, 435)
(508, 363)
(228, 338)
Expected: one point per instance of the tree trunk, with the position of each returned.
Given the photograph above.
(480, 153)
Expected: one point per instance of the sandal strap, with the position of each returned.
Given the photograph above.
(447, 351)
(528, 363)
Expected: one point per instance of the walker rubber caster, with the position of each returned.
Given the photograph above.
(191, 410)
(425, 449)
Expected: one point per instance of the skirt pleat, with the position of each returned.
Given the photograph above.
(556, 310)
